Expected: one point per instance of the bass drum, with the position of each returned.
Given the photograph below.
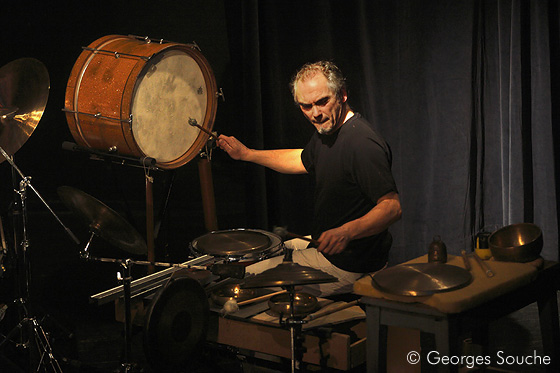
(135, 97)
(176, 325)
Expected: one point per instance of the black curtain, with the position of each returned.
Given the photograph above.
(462, 90)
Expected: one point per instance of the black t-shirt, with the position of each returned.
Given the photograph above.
(352, 170)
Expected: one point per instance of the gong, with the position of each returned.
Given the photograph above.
(176, 325)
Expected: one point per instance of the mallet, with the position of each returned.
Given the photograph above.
(284, 234)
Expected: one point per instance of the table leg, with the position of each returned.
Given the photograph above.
(550, 329)
(373, 320)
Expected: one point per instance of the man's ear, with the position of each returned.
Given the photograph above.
(344, 96)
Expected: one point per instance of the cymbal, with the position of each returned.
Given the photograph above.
(102, 220)
(420, 279)
(24, 90)
(230, 242)
(288, 274)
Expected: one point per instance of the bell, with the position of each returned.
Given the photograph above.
(437, 251)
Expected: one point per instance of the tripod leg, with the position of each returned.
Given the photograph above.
(44, 348)
(13, 332)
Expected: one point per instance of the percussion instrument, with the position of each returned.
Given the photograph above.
(419, 279)
(24, 92)
(135, 96)
(288, 274)
(102, 220)
(176, 325)
(238, 245)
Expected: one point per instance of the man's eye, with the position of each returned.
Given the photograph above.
(306, 106)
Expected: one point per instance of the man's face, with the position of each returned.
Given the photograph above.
(319, 105)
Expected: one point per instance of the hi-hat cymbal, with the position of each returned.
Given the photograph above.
(24, 90)
(288, 274)
(103, 220)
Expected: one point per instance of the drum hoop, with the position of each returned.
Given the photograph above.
(211, 102)
(275, 243)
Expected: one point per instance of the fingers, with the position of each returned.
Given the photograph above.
(223, 141)
(332, 242)
(232, 146)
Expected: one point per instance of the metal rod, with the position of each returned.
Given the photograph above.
(27, 183)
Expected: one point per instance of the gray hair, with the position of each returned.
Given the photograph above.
(335, 80)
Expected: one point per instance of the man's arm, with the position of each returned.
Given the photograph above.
(287, 161)
(386, 212)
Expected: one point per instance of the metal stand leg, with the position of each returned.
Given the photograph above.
(127, 366)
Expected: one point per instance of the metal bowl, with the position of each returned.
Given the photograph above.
(304, 304)
(521, 242)
(235, 292)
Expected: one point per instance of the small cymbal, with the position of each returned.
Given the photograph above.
(288, 274)
(103, 220)
(24, 90)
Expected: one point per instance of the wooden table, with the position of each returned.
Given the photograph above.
(447, 315)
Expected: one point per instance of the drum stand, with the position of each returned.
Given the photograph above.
(37, 339)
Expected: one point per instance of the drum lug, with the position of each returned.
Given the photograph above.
(195, 46)
(220, 93)
(149, 40)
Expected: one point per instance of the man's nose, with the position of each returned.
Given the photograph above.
(315, 111)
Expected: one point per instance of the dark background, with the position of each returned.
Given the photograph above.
(463, 91)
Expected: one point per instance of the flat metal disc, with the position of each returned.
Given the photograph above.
(421, 279)
(288, 274)
(232, 242)
(103, 220)
(24, 90)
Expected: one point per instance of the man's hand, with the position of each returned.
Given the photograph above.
(334, 241)
(386, 212)
(235, 148)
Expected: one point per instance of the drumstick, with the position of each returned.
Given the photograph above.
(334, 309)
(194, 123)
(262, 297)
(283, 233)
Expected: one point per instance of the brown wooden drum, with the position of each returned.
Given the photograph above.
(135, 96)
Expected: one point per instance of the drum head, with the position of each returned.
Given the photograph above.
(232, 242)
(176, 325)
(171, 90)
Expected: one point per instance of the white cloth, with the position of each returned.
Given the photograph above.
(310, 257)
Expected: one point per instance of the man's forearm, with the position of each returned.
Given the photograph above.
(287, 161)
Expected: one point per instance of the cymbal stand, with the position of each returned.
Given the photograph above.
(36, 337)
(295, 324)
(126, 265)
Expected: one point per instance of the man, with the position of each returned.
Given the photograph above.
(356, 198)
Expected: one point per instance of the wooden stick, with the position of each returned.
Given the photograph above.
(325, 312)
(293, 235)
(258, 299)
(466, 260)
(483, 265)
